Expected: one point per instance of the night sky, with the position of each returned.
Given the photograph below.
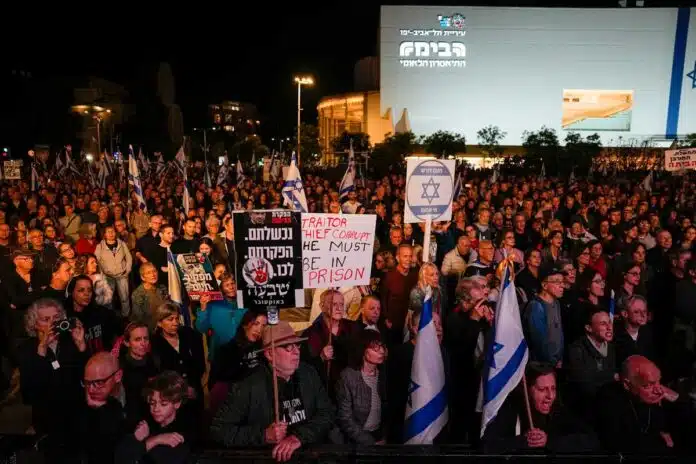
(242, 52)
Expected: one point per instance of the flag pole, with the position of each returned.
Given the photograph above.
(526, 401)
(426, 240)
(273, 320)
(328, 361)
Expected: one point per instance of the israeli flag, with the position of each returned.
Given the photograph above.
(240, 175)
(134, 180)
(348, 182)
(175, 292)
(293, 190)
(507, 355)
(426, 409)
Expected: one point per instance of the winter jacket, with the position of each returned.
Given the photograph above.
(115, 263)
(248, 410)
(354, 399)
(544, 331)
(223, 317)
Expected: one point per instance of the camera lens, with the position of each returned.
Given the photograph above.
(64, 325)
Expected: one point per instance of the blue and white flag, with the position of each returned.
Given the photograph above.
(348, 182)
(293, 190)
(457, 186)
(426, 409)
(134, 180)
(175, 292)
(507, 355)
(240, 175)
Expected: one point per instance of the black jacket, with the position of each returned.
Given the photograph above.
(135, 376)
(189, 361)
(626, 425)
(248, 410)
(51, 384)
(234, 361)
(101, 430)
(565, 434)
(131, 450)
(102, 326)
(626, 346)
(587, 371)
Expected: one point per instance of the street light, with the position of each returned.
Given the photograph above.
(99, 113)
(300, 81)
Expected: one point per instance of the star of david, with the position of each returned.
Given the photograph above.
(412, 387)
(496, 348)
(431, 196)
(692, 76)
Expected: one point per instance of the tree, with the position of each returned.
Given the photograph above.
(341, 144)
(310, 150)
(489, 139)
(689, 141)
(388, 156)
(541, 147)
(245, 149)
(580, 152)
(443, 143)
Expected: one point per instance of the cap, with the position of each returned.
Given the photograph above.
(282, 335)
(545, 273)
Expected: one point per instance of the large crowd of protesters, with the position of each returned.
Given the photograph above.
(606, 286)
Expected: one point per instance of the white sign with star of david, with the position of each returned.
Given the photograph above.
(429, 190)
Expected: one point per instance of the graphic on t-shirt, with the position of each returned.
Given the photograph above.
(293, 411)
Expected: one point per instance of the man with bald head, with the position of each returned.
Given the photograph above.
(102, 421)
(630, 414)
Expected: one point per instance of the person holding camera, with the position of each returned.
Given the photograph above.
(51, 365)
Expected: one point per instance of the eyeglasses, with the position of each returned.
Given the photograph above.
(598, 281)
(291, 347)
(98, 383)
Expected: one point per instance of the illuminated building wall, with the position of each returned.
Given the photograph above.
(235, 117)
(352, 113)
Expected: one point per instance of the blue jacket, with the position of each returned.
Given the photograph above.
(544, 335)
(223, 316)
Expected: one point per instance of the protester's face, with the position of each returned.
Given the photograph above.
(204, 248)
(110, 234)
(167, 236)
(464, 245)
(554, 285)
(82, 293)
(156, 223)
(46, 317)
(405, 256)
(396, 237)
(597, 286)
(36, 239)
(4, 231)
(287, 358)
(535, 259)
(639, 255)
(189, 228)
(169, 324)
(569, 274)
(254, 330)
(66, 251)
(647, 386)
(664, 239)
(637, 313)
(486, 252)
(601, 327)
(633, 276)
(543, 393)
(139, 342)
(162, 410)
(596, 251)
(100, 380)
(371, 310)
(375, 353)
(333, 306)
(229, 288)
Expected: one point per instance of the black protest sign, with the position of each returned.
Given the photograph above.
(269, 255)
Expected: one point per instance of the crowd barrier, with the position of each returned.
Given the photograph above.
(23, 449)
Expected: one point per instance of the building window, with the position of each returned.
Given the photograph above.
(228, 118)
(229, 128)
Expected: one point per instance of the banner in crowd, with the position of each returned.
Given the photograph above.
(429, 189)
(337, 249)
(269, 254)
(12, 169)
(676, 160)
(196, 274)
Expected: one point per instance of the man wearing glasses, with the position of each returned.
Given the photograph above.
(306, 414)
(102, 423)
(543, 319)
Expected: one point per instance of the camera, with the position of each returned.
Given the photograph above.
(64, 325)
